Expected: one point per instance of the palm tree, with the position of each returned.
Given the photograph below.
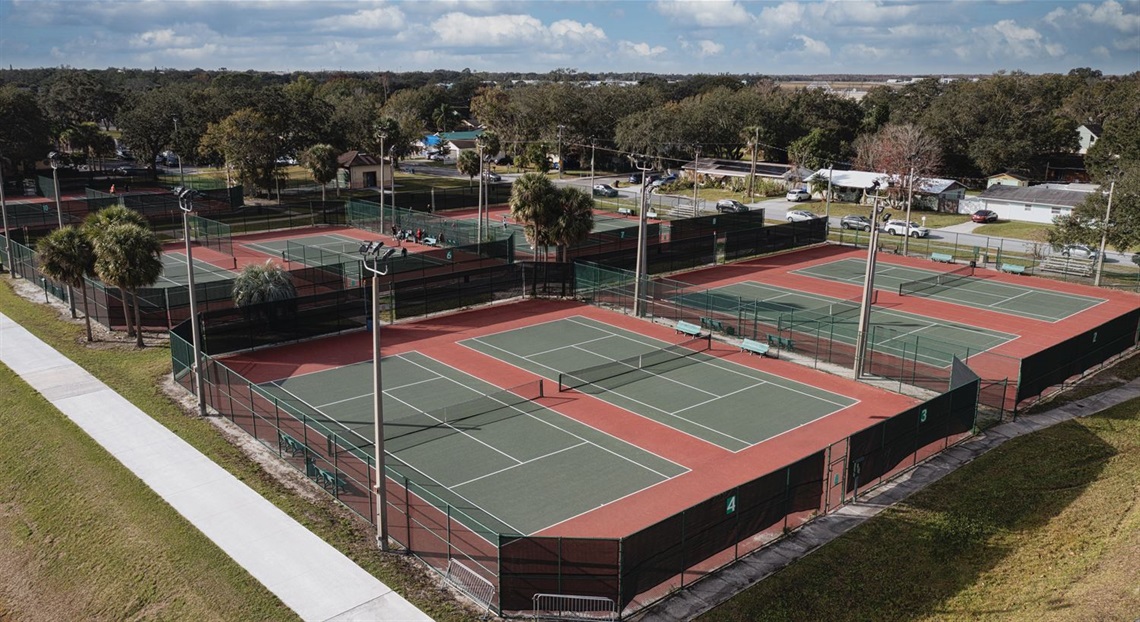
(320, 159)
(575, 218)
(102, 220)
(468, 164)
(533, 203)
(66, 255)
(129, 257)
(263, 283)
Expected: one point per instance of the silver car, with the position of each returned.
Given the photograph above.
(902, 227)
(799, 215)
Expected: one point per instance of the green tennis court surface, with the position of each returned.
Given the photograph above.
(174, 271)
(330, 249)
(511, 464)
(724, 403)
(898, 334)
(1020, 300)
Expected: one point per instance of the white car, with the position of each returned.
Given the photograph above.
(799, 194)
(1079, 251)
(902, 227)
(799, 215)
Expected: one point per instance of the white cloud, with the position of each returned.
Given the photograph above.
(782, 16)
(513, 31)
(1007, 40)
(642, 50)
(701, 48)
(705, 13)
(845, 12)
(861, 52)
(813, 47)
(387, 18)
(1109, 14)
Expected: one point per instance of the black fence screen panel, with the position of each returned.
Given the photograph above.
(769, 239)
(456, 290)
(554, 565)
(1072, 357)
(715, 224)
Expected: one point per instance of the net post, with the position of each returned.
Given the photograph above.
(541, 391)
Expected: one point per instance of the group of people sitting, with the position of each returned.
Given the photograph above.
(419, 236)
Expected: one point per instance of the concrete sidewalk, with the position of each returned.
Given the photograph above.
(312, 578)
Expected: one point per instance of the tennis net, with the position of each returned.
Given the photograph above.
(934, 284)
(488, 408)
(831, 313)
(609, 376)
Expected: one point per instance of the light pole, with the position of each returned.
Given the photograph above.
(868, 289)
(561, 162)
(593, 145)
(638, 286)
(186, 204)
(367, 250)
(909, 199)
(479, 210)
(1104, 234)
(7, 231)
(383, 135)
(181, 175)
(827, 208)
(53, 158)
(696, 168)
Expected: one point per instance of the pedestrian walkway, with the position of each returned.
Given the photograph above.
(312, 578)
(699, 598)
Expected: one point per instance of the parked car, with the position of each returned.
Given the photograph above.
(730, 205)
(1079, 251)
(855, 221)
(984, 215)
(492, 176)
(670, 178)
(635, 178)
(799, 194)
(605, 190)
(799, 215)
(902, 227)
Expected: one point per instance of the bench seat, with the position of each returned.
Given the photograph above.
(688, 328)
(754, 347)
(1013, 268)
(942, 257)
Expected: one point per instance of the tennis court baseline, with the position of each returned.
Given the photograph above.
(980, 293)
(724, 403)
(512, 466)
(174, 271)
(902, 332)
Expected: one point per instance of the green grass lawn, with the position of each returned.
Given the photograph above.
(933, 219)
(88, 540)
(1012, 229)
(135, 374)
(1046, 527)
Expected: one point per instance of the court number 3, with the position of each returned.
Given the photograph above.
(922, 416)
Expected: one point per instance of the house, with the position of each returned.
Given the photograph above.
(1030, 203)
(720, 171)
(1087, 135)
(853, 187)
(1007, 178)
(361, 170)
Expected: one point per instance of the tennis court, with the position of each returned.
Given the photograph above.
(898, 334)
(174, 271)
(721, 402)
(330, 249)
(511, 464)
(980, 293)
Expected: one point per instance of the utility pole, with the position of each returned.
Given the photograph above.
(7, 231)
(593, 144)
(479, 211)
(638, 286)
(561, 162)
(383, 135)
(868, 290)
(696, 171)
(752, 173)
(1104, 234)
(181, 175)
(827, 209)
(909, 198)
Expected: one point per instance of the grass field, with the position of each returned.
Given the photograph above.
(88, 540)
(1033, 231)
(1046, 527)
(135, 374)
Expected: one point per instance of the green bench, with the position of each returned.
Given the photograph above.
(943, 257)
(290, 444)
(1013, 268)
(781, 342)
(718, 326)
(754, 347)
(688, 328)
(327, 479)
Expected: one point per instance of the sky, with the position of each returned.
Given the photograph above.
(904, 37)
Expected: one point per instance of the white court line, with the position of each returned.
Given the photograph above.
(525, 462)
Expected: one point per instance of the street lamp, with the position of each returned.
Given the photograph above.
(868, 287)
(383, 136)
(638, 289)
(186, 204)
(372, 249)
(53, 158)
(7, 231)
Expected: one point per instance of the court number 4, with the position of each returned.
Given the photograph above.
(730, 505)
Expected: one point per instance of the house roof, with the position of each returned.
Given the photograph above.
(865, 180)
(1009, 174)
(349, 159)
(454, 136)
(1040, 195)
(1094, 128)
(461, 143)
(737, 168)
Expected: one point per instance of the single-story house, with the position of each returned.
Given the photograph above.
(933, 193)
(362, 170)
(1031, 203)
(1087, 135)
(1007, 178)
(718, 170)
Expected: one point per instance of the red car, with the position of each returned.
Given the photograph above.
(984, 215)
